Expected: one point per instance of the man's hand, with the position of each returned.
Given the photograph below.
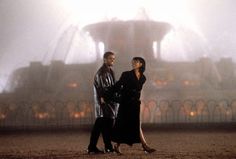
(102, 100)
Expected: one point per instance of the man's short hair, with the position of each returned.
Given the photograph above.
(107, 54)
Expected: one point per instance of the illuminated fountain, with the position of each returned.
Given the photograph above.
(129, 38)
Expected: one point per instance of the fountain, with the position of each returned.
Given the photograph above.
(129, 38)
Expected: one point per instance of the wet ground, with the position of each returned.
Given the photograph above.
(170, 144)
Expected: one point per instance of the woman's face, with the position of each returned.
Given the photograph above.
(136, 64)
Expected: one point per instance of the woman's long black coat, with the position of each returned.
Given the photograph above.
(127, 125)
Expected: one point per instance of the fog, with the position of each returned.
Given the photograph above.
(36, 30)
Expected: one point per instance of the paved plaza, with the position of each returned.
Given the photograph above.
(71, 144)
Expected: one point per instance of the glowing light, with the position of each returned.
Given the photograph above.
(154, 47)
(101, 47)
(89, 11)
(161, 82)
(2, 116)
(77, 114)
(192, 113)
(82, 114)
(72, 85)
(42, 115)
(191, 83)
(186, 83)
(228, 112)
(178, 13)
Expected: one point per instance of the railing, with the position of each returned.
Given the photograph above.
(188, 111)
(77, 113)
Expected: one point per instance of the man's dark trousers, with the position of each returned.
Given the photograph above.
(102, 125)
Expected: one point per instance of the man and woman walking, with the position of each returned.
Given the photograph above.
(119, 123)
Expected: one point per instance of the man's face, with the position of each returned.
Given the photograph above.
(109, 61)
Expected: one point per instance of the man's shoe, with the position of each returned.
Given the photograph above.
(95, 151)
(109, 150)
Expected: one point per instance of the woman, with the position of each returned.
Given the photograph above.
(127, 128)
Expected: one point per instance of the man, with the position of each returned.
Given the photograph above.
(105, 108)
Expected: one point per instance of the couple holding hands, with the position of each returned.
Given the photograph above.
(117, 107)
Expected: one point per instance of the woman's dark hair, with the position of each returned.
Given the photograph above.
(141, 60)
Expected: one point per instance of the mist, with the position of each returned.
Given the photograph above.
(42, 30)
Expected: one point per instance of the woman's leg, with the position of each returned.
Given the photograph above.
(143, 141)
(117, 148)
